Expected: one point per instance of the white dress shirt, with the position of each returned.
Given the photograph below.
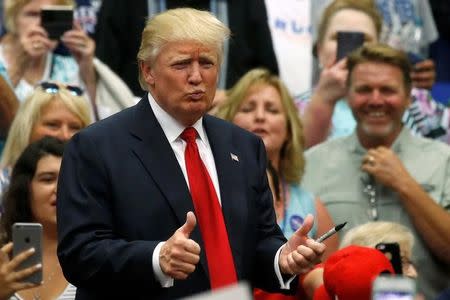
(172, 130)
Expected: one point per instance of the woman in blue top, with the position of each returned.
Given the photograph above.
(260, 103)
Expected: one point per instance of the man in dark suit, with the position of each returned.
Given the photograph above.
(120, 23)
(127, 192)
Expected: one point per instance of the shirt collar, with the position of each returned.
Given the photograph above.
(171, 127)
(356, 147)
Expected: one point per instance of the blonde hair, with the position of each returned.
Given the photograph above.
(12, 9)
(29, 114)
(372, 233)
(367, 7)
(180, 24)
(292, 162)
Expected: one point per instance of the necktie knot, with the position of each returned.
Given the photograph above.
(189, 135)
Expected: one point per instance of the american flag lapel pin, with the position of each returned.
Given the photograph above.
(234, 157)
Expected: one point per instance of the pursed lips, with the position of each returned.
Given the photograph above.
(196, 95)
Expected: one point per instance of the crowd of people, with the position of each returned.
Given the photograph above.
(164, 156)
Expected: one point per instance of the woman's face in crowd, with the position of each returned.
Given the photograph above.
(56, 120)
(43, 189)
(30, 15)
(262, 113)
(344, 20)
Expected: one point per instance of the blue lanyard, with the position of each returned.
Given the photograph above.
(285, 200)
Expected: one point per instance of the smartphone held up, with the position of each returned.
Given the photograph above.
(347, 41)
(26, 236)
(56, 19)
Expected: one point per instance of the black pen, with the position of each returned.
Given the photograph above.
(330, 232)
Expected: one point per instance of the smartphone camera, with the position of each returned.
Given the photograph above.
(347, 41)
(24, 237)
(56, 19)
(392, 252)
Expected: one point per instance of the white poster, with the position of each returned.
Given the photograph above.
(290, 26)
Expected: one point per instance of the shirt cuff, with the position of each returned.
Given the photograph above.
(284, 285)
(164, 280)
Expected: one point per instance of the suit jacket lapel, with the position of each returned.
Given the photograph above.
(229, 172)
(156, 154)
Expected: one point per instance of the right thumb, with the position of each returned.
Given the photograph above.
(191, 221)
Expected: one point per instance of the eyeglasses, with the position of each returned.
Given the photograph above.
(53, 88)
(370, 190)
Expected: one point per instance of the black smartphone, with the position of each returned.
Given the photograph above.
(26, 236)
(347, 41)
(392, 252)
(56, 19)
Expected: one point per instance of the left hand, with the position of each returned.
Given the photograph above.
(80, 45)
(301, 253)
(385, 166)
(423, 74)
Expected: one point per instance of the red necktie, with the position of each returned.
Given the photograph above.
(209, 215)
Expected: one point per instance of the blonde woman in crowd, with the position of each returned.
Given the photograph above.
(373, 233)
(260, 103)
(28, 56)
(52, 110)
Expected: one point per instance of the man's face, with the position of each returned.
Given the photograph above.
(183, 79)
(378, 99)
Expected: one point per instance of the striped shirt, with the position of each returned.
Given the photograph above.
(68, 294)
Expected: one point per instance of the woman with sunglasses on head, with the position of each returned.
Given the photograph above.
(30, 56)
(31, 197)
(52, 110)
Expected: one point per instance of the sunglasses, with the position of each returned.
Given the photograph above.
(53, 88)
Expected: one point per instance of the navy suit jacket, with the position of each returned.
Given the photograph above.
(121, 191)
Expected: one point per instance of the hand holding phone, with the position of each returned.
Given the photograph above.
(26, 236)
(347, 41)
(392, 252)
(56, 19)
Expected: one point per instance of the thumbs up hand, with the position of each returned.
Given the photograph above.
(179, 255)
(300, 253)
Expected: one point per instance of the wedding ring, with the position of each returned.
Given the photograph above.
(35, 45)
(371, 159)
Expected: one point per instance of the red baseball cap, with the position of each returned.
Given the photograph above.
(349, 273)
